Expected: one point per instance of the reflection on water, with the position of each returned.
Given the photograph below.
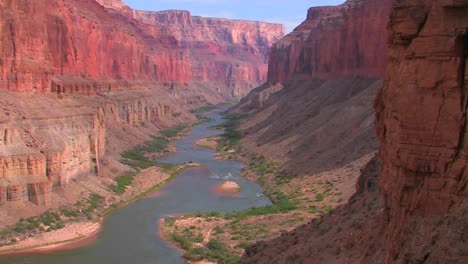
(130, 234)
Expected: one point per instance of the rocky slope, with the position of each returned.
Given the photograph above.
(315, 112)
(420, 214)
(81, 81)
(313, 126)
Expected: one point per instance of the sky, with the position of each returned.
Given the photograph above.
(290, 13)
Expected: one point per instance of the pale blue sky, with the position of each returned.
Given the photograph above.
(288, 12)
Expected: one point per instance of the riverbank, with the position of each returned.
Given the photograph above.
(75, 224)
(71, 236)
(296, 200)
(79, 234)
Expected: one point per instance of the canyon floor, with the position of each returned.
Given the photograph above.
(296, 200)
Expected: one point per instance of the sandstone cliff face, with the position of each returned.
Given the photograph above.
(232, 53)
(422, 128)
(346, 40)
(49, 140)
(85, 42)
(41, 41)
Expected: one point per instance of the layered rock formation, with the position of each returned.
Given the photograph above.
(315, 112)
(421, 125)
(232, 53)
(421, 214)
(48, 141)
(345, 40)
(81, 81)
(48, 45)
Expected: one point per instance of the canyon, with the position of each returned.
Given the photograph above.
(410, 204)
(355, 128)
(81, 82)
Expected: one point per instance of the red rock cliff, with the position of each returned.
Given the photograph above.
(422, 128)
(44, 44)
(42, 41)
(232, 53)
(346, 40)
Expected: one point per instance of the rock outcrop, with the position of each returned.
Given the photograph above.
(49, 141)
(345, 40)
(422, 121)
(419, 214)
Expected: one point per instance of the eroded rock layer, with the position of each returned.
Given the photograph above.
(421, 125)
(47, 140)
(87, 47)
(345, 40)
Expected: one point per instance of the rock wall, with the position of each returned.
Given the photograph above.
(47, 141)
(421, 124)
(41, 40)
(346, 40)
(84, 43)
(227, 36)
(232, 53)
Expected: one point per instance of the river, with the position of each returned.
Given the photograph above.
(130, 234)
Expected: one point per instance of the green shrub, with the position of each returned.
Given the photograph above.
(123, 182)
(69, 212)
(167, 167)
(174, 131)
(313, 209)
(231, 134)
(218, 230)
(213, 214)
(328, 208)
(94, 200)
(242, 245)
(170, 221)
(320, 197)
(183, 241)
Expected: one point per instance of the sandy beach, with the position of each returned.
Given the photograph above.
(72, 236)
